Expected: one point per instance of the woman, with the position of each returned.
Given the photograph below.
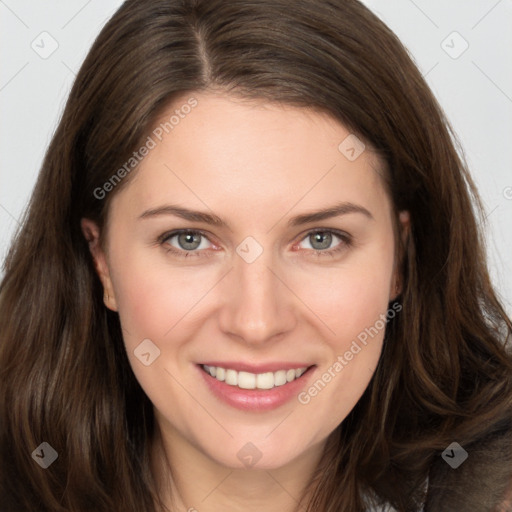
(172, 336)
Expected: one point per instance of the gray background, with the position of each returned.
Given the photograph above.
(473, 86)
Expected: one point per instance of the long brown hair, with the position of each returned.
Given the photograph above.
(445, 373)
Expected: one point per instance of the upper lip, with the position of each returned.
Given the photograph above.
(258, 368)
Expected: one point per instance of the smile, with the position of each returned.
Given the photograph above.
(255, 388)
(247, 380)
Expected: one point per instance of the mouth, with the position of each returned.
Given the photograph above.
(253, 380)
(264, 388)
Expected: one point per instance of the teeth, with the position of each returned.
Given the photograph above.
(232, 377)
(247, 380)
(265, 380)
(280, 378)
(221, 374)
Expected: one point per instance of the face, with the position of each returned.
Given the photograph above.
(250, 286)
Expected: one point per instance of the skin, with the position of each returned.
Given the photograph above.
(254, 165)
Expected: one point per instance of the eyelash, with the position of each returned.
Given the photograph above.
(346, 242)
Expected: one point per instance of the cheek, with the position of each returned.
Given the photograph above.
(154, 303)
(350, 297)
(144, 301)
(352, 301)
(151, 295)
(149, 303)
(159, 302)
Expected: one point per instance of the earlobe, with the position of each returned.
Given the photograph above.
(91, 233)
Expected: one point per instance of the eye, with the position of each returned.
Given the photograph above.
(187, 241)
(321, 239)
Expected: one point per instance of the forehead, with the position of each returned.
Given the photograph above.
(255, 154)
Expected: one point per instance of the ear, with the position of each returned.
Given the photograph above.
(404, 229)
(91, 233)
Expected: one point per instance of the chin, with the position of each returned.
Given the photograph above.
(258, 453)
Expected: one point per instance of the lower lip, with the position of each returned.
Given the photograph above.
(256, 399)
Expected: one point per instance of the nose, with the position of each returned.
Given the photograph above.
(259, 305)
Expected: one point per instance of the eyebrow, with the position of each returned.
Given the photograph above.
(208, 218)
